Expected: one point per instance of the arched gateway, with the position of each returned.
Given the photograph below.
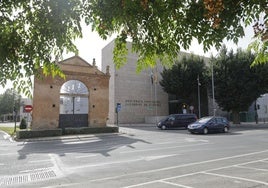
(79, 100)
(73, 104)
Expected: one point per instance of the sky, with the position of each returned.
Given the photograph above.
(91, 44)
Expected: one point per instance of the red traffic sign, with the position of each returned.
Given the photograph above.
(28, 108)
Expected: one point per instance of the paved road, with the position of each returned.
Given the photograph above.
(139, 156)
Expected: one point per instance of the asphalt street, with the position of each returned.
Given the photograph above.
(139, 156)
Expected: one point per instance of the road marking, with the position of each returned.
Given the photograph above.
(251, 168)
(40, 161)
(185, 165)
(175, 184)
(103, 164)
(149, 158)
(235, 177)
(200, 172)
(158, 148)
(34, 170)
(86, 156)
(195, 140)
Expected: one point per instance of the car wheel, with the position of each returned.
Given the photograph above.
(163, 127)
(205, 130)
(226, 129)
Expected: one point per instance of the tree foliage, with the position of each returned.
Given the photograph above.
(159, 29)
(181, 79)
(32, 34)
(237, 84)
(35, 33)
(9, 101)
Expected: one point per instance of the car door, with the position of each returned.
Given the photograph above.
(177, 122)
(212, 125)
(171, 121)
(219, 124)
(187, 120)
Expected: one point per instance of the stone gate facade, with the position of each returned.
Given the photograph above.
(79, 100)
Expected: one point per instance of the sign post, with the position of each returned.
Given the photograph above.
(28, 109)
(118, 108)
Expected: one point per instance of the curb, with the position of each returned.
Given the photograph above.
(62, 138)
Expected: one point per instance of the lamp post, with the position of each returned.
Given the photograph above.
(14, 110)
(198, 93)
(213, 95)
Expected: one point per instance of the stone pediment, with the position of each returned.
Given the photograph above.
(76, 61)
(78, 65)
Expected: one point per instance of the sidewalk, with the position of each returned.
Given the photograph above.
(245, 125)
(9, 124)
(249, 125)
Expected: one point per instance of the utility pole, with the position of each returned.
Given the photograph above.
(198, 93)
(213, 95)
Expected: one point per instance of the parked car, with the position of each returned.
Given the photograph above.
(176, 120)
(209, 124)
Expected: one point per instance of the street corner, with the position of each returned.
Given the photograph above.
(6, 136)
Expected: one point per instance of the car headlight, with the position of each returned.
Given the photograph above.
(196, 126)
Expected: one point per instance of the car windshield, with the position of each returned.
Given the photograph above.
(204, 120)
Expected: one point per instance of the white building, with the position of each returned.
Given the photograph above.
(141, 99)
(262, 108)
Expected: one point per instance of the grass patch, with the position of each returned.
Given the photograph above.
(9, 130)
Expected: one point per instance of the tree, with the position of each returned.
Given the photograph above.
(159, 29)
(181, 80)
(237, 84)
(9, 101)
(34, 34)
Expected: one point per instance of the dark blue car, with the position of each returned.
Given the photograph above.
(209, 124)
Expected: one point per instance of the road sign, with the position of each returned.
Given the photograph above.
(118, 107)
(28, 108)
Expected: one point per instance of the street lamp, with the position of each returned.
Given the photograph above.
(198, 91)
(213, 95)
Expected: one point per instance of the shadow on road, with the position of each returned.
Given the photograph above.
(97, 144)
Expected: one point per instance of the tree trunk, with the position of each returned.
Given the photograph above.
(236, 117)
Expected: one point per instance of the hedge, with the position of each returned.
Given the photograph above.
(25, 134)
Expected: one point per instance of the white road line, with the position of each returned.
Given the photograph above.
(149, 158)
(252, 168)
(184, 165)
(86, 156)
(33, 170)
(155, 149)
(194, 173)
(40, 161)
(175, 184)
(235, 177)
(157, 181)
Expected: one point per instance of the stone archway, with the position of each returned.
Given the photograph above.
(86, 83)
(73, 104)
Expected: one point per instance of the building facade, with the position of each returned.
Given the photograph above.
(79, 100)
(140, 96)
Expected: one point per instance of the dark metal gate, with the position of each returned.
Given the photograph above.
(73, 120)
(73, 105)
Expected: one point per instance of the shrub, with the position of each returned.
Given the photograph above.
(23, 124)
(24, 134)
